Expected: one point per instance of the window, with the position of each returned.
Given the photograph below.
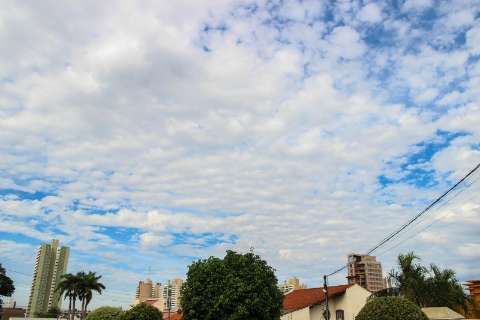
(339, 315)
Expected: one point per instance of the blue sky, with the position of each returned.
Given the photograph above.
(145, 135)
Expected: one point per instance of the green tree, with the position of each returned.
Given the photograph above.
(52, 313)
(390, 308)
(237, 287)
(105, 313)
(428, 287)
(6, 285)
(142, 311)
(411, 279)
(88, 283)
(79, 286)
(68, 286)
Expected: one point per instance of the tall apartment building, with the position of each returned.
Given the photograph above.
(160, 296)
(365, 271)
(474, 288)
(146, 290)
(290, 285)
(50, 265)
(172, 299)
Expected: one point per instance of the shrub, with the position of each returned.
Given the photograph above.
(105, 313)
(142, 311)
(391, 308)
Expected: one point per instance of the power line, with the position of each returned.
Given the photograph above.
(415, 218)
(416, 232)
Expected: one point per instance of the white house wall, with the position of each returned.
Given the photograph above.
(302, 314)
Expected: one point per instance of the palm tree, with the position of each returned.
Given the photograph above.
(411, 279)
(87, 285)
(428, 287)
(68, 286)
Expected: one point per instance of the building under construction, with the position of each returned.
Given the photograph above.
(365, 271)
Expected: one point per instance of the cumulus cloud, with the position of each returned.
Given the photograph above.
(370, 13)
(176, 131)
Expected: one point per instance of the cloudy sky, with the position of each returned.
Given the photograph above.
(147, 134)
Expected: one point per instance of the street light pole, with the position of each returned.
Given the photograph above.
(325, 290)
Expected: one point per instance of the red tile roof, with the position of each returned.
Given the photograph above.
(173, 316)
(301, 298)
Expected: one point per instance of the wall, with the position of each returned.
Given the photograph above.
(302, 314)
(351, 303)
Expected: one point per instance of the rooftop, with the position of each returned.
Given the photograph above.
(302, 298)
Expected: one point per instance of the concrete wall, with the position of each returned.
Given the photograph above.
(351, 303)
(302, 314)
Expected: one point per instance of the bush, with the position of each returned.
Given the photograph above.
(142, 311)
(391, 308)
(105, 313)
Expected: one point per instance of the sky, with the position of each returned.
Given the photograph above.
(145, 135)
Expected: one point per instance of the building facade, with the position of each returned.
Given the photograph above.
(50, 264)
(365, 271)
(344, 303)
(171, 295)
(146, 290)
(163, 297)
(474, 288)
(290, 285)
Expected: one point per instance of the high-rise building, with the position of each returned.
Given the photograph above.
(171, 295)
(163, 297)
(290, 285)
(146, 290)
(50, 265)
(365, 271)
(474, 288)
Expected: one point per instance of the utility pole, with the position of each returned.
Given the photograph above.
(325, 290)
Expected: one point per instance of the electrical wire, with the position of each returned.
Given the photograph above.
(415, 218)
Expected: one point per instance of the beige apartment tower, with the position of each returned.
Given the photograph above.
(365, 271)
(50, 265)
(146, 291)
(171, 295)
(290, 285)
(163, 297)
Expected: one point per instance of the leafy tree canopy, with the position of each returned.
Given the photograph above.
(105, 313)
(391, 308)
(428, 286)
(237, 287)
(142, 311)
(6, 285)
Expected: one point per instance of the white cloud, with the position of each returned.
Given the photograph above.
(470, 250)
(370, 13)
(276, 137)
(416, 4)
(473, 40)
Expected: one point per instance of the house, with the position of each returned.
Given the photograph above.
(442, 313)
(345, 302)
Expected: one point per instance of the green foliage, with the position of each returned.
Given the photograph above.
(52, 313)
(80, 286)
(142, 311)
(6, 285)
(428, 287)
(105, 313)
(391, 308)
(238, 287)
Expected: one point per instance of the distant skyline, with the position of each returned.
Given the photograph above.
(147, 134)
